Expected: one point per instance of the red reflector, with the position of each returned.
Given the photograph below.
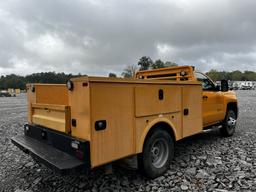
(79, 154)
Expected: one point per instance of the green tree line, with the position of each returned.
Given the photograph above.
(16, 81)
(233, 76)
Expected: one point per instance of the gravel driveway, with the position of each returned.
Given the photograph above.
(206, 162)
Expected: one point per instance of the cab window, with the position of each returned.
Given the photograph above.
(206, 82)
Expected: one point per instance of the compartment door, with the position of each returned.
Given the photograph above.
(56, 117)
(112, 106)
(192, 110)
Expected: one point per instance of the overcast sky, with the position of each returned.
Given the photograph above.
(96, 37)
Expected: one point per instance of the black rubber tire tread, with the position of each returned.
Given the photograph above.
(224, 129)
(144, 159)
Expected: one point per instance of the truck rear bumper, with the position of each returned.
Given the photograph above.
(54, 149)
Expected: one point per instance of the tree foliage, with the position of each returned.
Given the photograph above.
(129, 71)
(158, 64)
(233, 76)
(170, 64)
(16, 81)
(112, 75)
(145, 63)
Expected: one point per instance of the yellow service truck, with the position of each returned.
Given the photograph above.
(92, 121)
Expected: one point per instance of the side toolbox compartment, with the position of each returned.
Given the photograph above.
(192, 110)
(56, 117)
(48, 106)
(112, 121)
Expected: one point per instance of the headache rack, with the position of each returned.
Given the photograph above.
(177, 73)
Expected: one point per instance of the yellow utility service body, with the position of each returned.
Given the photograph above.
(112, 118)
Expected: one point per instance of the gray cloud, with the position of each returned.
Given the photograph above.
(97, 37)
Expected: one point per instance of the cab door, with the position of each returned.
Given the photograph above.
(212, 101)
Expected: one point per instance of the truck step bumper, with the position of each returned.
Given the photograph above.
(48, 155)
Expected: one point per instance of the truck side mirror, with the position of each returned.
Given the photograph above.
(224, 86)
(217, 88)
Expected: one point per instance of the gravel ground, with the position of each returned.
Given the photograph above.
(205, 162)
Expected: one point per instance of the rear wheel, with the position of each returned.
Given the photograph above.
(229, 124)
(157, 153)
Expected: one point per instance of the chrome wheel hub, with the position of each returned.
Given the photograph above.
(159, 153)
(231, 122)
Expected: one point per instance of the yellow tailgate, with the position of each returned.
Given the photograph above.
(56, 117)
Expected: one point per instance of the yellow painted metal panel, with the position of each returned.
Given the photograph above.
(31, 98)
(213, 107)
(56, 117)
(51, 94)
(79, 99)
(192, 100)
(171, 73)
(144, 124)
(134, 81)
(115, 104)
(147, 100)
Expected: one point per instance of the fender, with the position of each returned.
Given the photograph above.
(230, 98)
(151, 125)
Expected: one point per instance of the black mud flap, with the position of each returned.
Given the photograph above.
(50, 156)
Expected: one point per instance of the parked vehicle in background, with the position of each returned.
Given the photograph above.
(14, 92)
(246, 87)
(5, 94)
(243, 85)
(10, 92)
(93, 121)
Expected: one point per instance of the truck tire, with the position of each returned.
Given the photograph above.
(229, 124)
(157, 153)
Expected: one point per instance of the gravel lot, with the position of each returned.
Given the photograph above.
(206, 162)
